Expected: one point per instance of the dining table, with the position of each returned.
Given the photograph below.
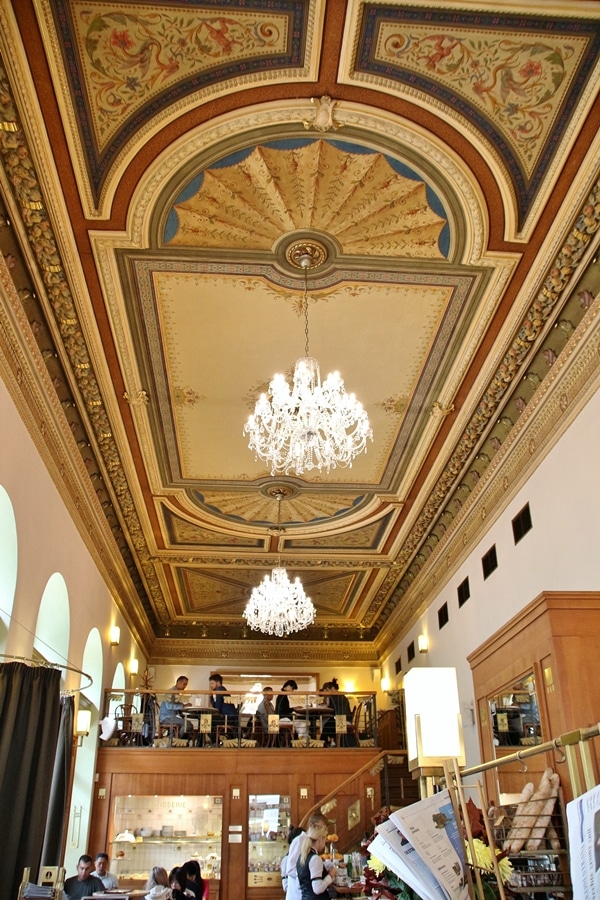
(314, 715)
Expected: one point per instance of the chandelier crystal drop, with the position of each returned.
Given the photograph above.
(278, 606)
(312, 425)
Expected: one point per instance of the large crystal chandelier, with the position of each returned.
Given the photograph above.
(277, 606)
(313, 425)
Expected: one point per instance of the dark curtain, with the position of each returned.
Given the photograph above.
(29, 723)
(52, 851)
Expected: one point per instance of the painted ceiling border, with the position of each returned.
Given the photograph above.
(462, 123)
(97, 199)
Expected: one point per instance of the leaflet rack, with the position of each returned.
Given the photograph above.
(50, 883)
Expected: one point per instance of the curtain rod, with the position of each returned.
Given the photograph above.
(44, 664)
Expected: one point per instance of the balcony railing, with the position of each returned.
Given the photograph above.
(138, 718)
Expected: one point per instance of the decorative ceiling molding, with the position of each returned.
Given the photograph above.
(570, 383)
(127, 76)
(517, 89)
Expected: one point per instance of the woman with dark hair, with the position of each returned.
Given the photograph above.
(178, 882)
(282, 704)
(340, 706)
(195, 882)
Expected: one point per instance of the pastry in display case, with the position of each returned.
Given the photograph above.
(167, 831)
(268, 826)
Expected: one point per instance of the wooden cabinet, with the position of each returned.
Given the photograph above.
(303, 777)
(555, 639)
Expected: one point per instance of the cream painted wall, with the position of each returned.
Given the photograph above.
(361, 679)
(49, 543)
(559, 553)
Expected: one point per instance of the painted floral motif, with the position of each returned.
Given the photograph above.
(396, 404)
(518, 81)
(186, 396)
(131, 57)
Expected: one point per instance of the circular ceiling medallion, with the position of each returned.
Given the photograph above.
(306, 254)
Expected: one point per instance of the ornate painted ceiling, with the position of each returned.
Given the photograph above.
(159, 159)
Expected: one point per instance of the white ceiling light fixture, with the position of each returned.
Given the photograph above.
(312, 425)
(278, 606)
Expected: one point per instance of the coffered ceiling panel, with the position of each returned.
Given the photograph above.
(160, 163)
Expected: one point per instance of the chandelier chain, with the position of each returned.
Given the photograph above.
(278, 606)
(308, 425)
(306, 353)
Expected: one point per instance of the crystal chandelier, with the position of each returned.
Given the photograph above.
(277, 606)
(313, 425)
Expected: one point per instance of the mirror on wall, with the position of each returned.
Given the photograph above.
(514, 714)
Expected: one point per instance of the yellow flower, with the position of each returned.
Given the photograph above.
(484, 861)
(376, 865)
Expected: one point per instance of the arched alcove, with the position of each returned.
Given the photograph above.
(53, 625)
(8, 564)
(81, 799)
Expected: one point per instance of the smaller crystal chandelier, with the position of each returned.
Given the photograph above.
(313, 425)
(277, 606)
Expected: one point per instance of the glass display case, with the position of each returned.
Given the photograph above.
(166, 831)
(268, 826)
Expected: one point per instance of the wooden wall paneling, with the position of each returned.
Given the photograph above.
(216, 772)
(556, 637)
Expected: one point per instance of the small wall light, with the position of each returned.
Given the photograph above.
(133, 666)
(82, 725)
(385, 684)
(423, 643)
(115, 636)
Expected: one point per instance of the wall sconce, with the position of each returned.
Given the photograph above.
(433, 722)
(385, 684)
(82, 725)
(423, 643)
(134, 666)
(115, 636)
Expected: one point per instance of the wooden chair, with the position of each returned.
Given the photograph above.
(353, 727)
(124, 718)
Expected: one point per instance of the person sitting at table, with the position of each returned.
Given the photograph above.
(227, 713)
(158, 885)
(178, 882)
(282, 704)
(110, 881)
(84, 884)
(195, 881)
(340, 706)
(169, 712)
(265, 709)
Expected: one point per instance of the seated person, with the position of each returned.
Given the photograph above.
(84, 884)
(282, 704)
(340, 706)
(265, 709)
(195, 882)
(110, 881)
(170, 709)
(226, 713)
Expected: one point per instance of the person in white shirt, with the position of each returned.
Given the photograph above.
(110, 881)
